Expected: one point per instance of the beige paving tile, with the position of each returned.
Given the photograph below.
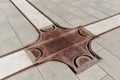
(6, 32)
(76, 22)
(93, 73)
(95, 13)
(105, 10)
(113, 45)
(107, 78)
(66, 75)
(107, 5)
(27, 34)
(9, 45)
(67, 11)
(17, 20)
(30, 74)
(53, 16)
(87, 18)
(95, 46)
(9, 10)
(13, 63)
(32, 14)
(50, 69)
(104, 25)
(113, 2)
(64, 14)
(14, 29)
(2, 18)
(109, 63)
(4, 1)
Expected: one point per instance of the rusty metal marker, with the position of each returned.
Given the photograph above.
(69, 46)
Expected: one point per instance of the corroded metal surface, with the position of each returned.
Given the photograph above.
(69, 46)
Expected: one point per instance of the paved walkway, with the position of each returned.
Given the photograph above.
(72, 13)
(15, 31)
(106, 69)
(106, 46)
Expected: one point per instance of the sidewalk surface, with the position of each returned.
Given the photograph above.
(16, 32)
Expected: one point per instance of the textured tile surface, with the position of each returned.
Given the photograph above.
(14, 29)
(14, 63)
(50, 69)
(107, 78)
(110, 54)
(93, 73)
(104, 25)
(39, 20)
(30, 74)
(86, 10)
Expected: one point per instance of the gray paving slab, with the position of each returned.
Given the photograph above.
(111, 42)
(30, 74)
(108, 46)
(86, 10)
(15, 30)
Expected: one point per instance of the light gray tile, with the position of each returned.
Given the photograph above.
(30, 74)
(9, 10)
(50, 69)
(66, 75)
(93, 73)
(46, 71)
(87, 11)
(17, 20)
(105, 10)
(111, 42)
(14, 63)
(10, 45)
(107, 5)
(109, 63)
(95, 13)
(27, 35)
(95, 46)
(6, 32)
(107, 78)
(104, 25)
(39, 20)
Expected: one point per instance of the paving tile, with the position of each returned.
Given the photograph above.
(109, 63)
(32, 14)
(103, 26)
(93, 73)
(46, 71)
(30, 74)
(9, 10)
(53, 16)
(82, 15)
(95, 13)
(27, 34)
(76, 22)
(113, 2)
(4, 1)
(113, 44)
(15, 29)
(17, 20)
(50, 69)
(64, 14)
(13, 63)
(107, 5)
(105, 10)
(107, 78)
(10, 45)
(87, 11)
(6, 32)
(66, 75)
(95, 46)
(3, 20)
